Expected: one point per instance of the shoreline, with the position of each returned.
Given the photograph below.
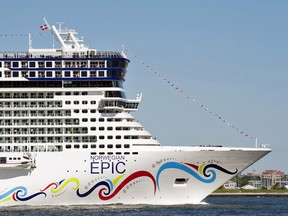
(249, 194)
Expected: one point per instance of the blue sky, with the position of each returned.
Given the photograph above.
(230, 56)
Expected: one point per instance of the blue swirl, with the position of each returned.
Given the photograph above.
(103, 183)
(111, 183)
(19, 188)
(175, 165)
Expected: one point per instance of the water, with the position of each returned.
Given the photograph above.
(213, 206)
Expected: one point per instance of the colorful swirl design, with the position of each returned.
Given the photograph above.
(108, 189)
(205, 170)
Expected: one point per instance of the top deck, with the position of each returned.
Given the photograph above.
(53, 53)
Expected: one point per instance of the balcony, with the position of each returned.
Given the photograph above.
(120, 104)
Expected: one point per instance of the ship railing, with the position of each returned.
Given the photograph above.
(119, 104)
(57, 54)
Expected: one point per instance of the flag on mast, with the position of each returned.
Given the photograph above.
(43, 27)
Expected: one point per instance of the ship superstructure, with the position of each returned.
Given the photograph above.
(67, 135)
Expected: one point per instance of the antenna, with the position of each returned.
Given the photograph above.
(60, 25)
(46, 22)
(30, 40)
(123, 49)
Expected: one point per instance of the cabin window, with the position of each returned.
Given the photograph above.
(32, 74)
(15, 73)
(3, 160)
(49, 64)
(67, 73)
(83, 73)
(32, 64)
(15, 64)
(49, 74)
(100, 73)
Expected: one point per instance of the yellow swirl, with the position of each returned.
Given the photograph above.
(65, 184)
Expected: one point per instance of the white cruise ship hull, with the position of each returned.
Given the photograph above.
(164, 175)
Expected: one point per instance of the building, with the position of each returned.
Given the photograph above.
(270, 178)
(230, 185)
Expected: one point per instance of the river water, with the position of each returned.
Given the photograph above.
(231, 205)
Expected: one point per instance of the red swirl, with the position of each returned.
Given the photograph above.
(125, 182)
(52, 184)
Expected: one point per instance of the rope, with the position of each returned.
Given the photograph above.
(193, 100)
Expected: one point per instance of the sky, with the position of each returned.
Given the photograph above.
(229, 56)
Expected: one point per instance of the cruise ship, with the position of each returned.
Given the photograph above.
(68, 136)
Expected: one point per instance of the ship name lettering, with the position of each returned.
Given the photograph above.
(107, 157)
(101, 167)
